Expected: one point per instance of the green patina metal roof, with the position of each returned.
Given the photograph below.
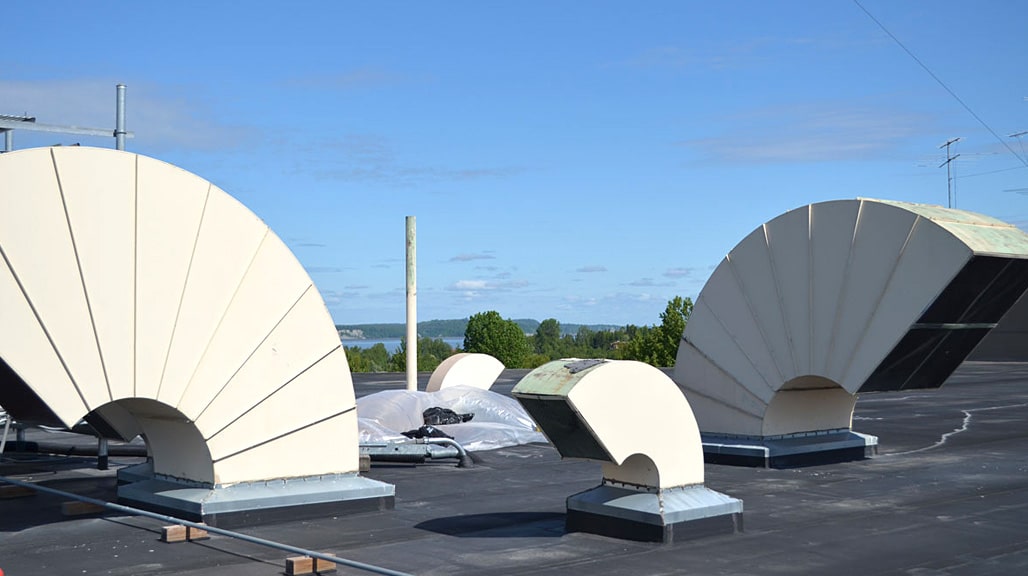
(555, 378)
(982, 234)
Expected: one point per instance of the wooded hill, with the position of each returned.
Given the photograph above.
(444, 329)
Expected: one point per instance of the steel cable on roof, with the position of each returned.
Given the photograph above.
(1020, 158)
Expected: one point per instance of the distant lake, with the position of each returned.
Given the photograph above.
(392, 344)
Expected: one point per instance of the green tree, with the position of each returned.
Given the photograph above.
(431, 352)
(536, 360)
(658, 345)
(640, 347)
(373, 359)
(547, 338)
(377, 358)
(355, 358)
(435, 347)
(489, 333)
(672, 324)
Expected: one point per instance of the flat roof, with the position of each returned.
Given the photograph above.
(948, 494)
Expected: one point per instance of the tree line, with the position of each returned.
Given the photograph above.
(506, 340)
(443, 329)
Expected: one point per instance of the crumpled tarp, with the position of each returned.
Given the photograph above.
(499, 420)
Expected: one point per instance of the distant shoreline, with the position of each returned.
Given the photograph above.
(461, 336)
(392, 344)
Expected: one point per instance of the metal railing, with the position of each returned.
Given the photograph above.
(210, 529)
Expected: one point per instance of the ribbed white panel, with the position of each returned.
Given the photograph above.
(709, 381)
(789, 241)
(169, 206)
(302, 453)
(38, 244)
(827, 291)
(831, 232)
(228, 240)
(751, 263)
(290, 349)
(726, 331)
(130, 280)
(268, 419)
(879, 240)
(273, 284)
(102, 217)
(932, 256)
(29, 340)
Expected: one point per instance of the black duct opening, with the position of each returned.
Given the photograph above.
(953, 325)
(564, 428)
(21, 402)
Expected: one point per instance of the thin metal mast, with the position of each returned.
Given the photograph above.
(950, 192)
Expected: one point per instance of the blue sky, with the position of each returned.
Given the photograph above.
(583, 161)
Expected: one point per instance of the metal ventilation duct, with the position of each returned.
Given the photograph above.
(1008, 341)
(465, 369)
(842, 297)
(631, 417)
(142, 295)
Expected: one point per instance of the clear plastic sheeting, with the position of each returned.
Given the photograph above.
(499, 421)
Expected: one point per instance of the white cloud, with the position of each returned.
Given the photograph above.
(579, 301)
(678, 272)
(589, 269)
(649, 282)
(371, 158)
(690, 272)
(333, 298)
(395, 295)
(470, 285)
(811, 132)
(488, 285)
(470, 257)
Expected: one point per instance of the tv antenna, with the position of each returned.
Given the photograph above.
(950, 192)
(10, 123)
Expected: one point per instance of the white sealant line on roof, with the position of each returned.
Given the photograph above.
(963, 428)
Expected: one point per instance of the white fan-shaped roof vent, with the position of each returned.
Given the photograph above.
(841, 297)
(144, 296)
(465, 369)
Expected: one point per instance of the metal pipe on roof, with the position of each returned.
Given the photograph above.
(210, 529)
(465, 460)
(418, 451)
(412, 304)
(119, 127)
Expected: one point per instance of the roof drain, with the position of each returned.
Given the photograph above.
(211, 529)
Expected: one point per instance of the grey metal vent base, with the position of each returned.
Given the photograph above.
(653, 516)
(257, 502)
(825, 447)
